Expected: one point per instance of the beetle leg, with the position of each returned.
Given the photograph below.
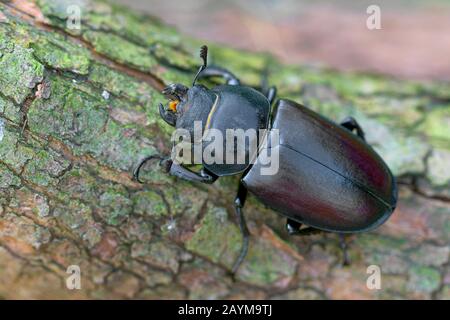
(292, 226)
(351, 124)
(176, 170)
(239, 202)
(344, 247)
(308, 231)
(293, 229)
(271, 94)
(182, 172)
(163, 162)
(213, 71)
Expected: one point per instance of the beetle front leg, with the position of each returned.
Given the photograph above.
(213, 71)
(351, 124)
(203, 176)
(176, 170)
(165, 163)
(271, 94)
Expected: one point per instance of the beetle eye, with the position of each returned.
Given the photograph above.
(175, 91)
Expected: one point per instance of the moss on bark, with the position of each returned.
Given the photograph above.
(78, 110)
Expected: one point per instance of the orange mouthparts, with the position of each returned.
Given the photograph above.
(173, 105)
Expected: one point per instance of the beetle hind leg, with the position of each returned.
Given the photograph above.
(293, 229)
(351, 124)
(344, 249)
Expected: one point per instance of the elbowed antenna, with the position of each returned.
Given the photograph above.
(204, 56)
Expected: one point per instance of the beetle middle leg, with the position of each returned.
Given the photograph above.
(239, 202)
(351, 124)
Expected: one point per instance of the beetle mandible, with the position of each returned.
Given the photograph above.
(329, 178)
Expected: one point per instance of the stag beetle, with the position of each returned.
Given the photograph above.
(329, 178)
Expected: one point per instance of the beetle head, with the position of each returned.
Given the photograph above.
(181, 99)
(175, 93)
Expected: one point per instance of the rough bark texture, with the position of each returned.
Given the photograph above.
(87, 102)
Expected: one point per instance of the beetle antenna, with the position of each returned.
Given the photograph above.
(204, 56)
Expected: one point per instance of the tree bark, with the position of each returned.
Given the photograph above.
(78, 110)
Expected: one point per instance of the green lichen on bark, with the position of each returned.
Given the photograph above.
(21, 72)
(78, 110)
